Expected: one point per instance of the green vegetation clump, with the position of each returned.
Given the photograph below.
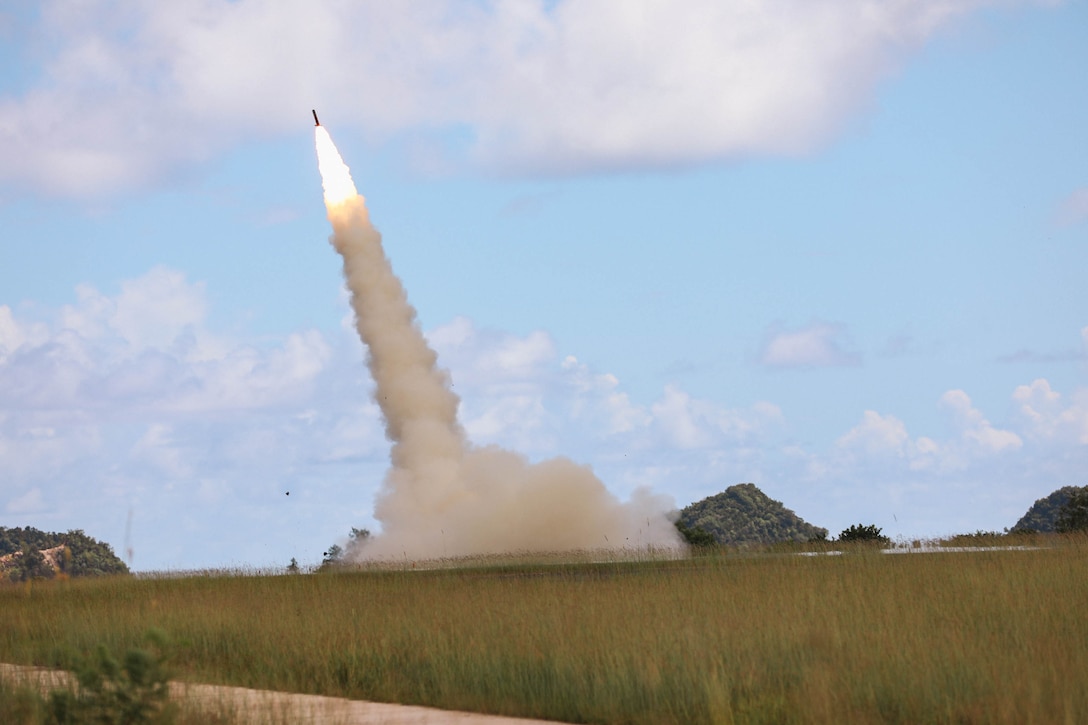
(22, 704)
(1073, 515)
(743, 515)
(26, 564)
(696, 537)
(27, 553)
(105, 690)
(337, 556)
(1043, 515)
(131, 691)
(865, 534)
(992, 538)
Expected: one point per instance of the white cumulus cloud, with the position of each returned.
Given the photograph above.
(601, 394)
(518, 391)
(879, 437)
(1049, 416)
(146, 348)
(883, 441)
(976, 429)
(877, 434)
(127, 92)
(687, 422)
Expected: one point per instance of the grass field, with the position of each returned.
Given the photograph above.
(995, 637)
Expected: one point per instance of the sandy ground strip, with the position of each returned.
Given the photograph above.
(262, 706)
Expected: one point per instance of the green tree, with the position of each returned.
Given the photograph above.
(357, 539)
(337, 555)
(332, 557)
(85, 556)
(742, 515)
(90, 557)
(1042, 517)
(862, 533)
(29, 563)
(1073, 515)
(696, 536)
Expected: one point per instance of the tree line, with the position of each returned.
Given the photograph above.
(28, 553)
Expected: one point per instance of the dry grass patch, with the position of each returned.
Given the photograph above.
(954, 637)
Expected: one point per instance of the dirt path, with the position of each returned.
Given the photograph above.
(261, 706)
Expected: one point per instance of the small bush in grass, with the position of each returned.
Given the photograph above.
(864, 534)
(21, 705)
(696, 536)
(134, 690)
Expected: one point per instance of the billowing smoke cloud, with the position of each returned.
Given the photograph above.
(443, 496)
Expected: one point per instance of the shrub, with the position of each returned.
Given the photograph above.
(861, 533)
(332, 558)
(21, 704)
(696, 536)
(132, 691)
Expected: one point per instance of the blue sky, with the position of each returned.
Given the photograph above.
(833, 248)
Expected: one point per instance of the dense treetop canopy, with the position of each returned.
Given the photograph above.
(27, 553)
(742, 514)
(1044, 513)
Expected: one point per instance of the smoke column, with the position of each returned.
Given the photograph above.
(442, 496)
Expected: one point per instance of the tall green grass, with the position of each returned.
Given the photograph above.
(994, 636)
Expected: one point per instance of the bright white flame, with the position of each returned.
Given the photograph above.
(335, 175)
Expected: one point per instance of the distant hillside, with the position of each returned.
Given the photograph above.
(1043, 514)
(27, 553)
(743, 514)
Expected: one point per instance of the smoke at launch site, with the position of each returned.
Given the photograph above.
(443, 496)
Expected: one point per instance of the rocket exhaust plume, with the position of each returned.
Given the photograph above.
(442, 496)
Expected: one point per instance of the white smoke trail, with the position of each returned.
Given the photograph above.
(442, 496)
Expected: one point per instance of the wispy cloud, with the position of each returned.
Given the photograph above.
(1074, 208)
(1023, 355)
(29, 502)
(819, 344)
